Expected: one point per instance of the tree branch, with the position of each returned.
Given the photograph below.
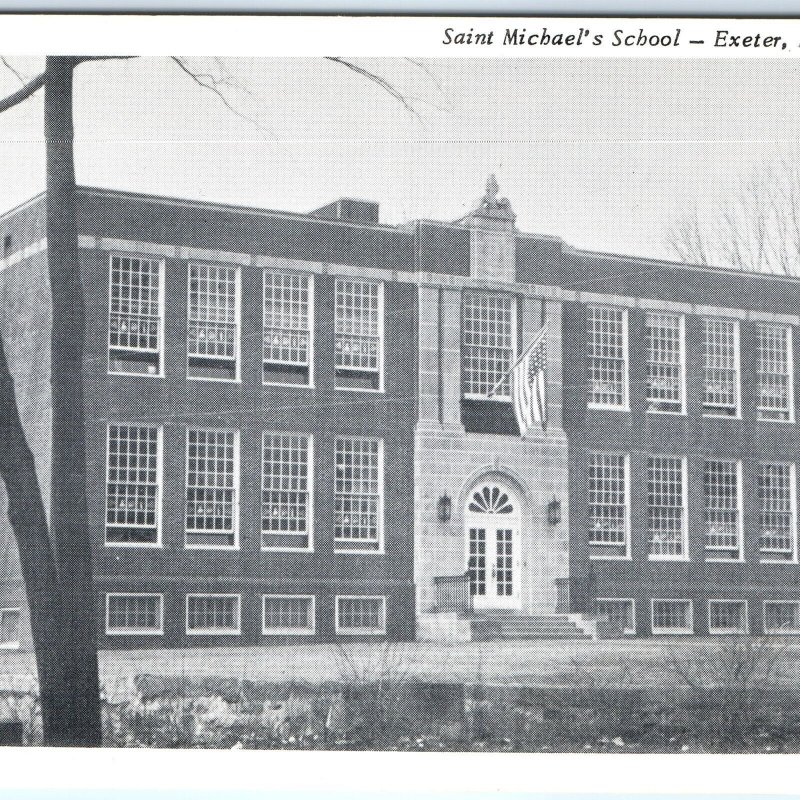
(382, 82)
(209, 82)
(11, 69)
(22, 94)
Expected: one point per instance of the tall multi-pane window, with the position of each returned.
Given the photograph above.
(723, 514)
(666, 503)
(775, 398)
(213, 614)
(288, 322)
(721, 369)
(664, 342)
(607, 356)
(212, 478)
(359, 334)
(488, 344)
(134, 613)
(213, 330)
(358, 502)
(285, 491)
(133, 490)
(776, 501)
(608, 505)
(136, 315)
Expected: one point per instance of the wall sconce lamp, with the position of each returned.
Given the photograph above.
(444, 508)
(554, 511)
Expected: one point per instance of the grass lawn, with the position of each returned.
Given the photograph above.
(638, 662)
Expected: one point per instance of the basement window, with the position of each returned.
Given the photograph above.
(132, 614)
(213, 614)
(727, 616)
(620, 613)
(672, 616)
(781, 617)
(287, 615)
(361, 615)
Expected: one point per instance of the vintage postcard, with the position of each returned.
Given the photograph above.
(402, 384)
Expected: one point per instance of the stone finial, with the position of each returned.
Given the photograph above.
(492, 207)
(492, 188)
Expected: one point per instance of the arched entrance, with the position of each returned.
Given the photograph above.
(492, 532)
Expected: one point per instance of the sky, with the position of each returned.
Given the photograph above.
(605, 153)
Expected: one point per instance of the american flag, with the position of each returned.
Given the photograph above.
(529, 385)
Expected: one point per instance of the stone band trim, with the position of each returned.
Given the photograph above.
(23, 255)
(428, 279)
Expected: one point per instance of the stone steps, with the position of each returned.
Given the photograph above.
(490, 626)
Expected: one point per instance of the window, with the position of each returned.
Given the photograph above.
(288, 614)
(727, 616)
(488, 344)
(361, 615)
(213, 614)
(721, 371)
(666, 507)
(136, 312)
(213, 336)
(134, 614)
(359, 334)
(133, 485)
(620, 613)
(781, 617)
(672, 616)
(776, 502)
(212, 482)
(9, 628)
(608, 505)
(723, 514)
(359, 477)
(775, 398)
(664, 340)
(285, 496)
(607, 356)
(288, 322)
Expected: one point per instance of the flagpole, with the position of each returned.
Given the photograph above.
(519, 358)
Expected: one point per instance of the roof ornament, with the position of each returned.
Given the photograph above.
(491, 206)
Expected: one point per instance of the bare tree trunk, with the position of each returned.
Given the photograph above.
(29, 522)
(78, 722)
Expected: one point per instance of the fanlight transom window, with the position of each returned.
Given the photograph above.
(490, 500)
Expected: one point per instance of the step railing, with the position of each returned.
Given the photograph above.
(453, 593)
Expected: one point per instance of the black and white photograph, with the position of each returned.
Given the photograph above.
(404, 403)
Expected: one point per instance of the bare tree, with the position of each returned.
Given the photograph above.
(757, 228)
(56, 563)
